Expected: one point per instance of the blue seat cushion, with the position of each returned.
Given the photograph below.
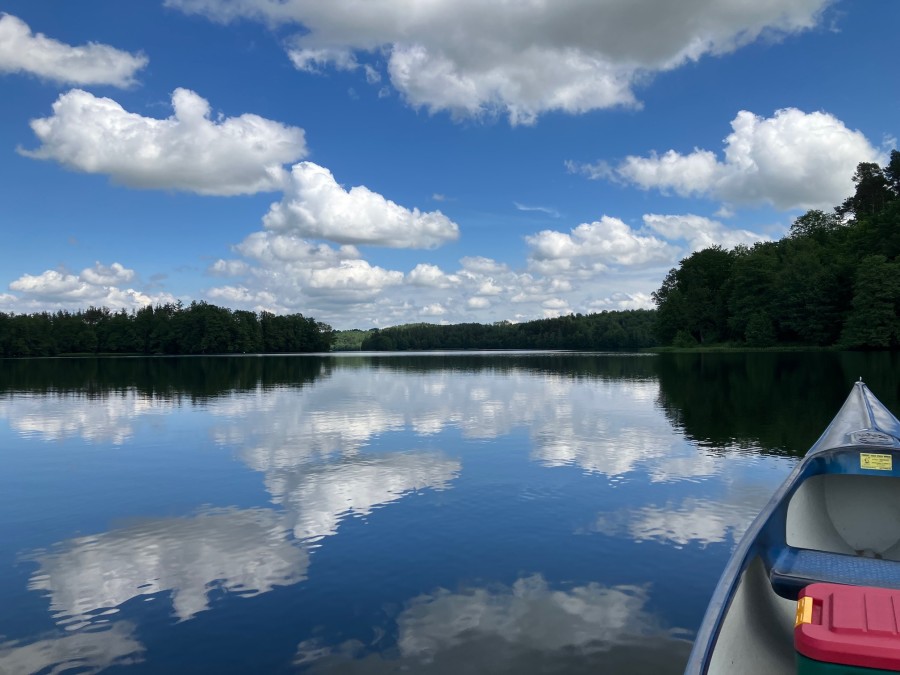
(796, 568)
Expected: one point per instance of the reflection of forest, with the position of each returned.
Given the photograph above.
(159, 377)
(783, 401)
(780, 401)
(209, 376)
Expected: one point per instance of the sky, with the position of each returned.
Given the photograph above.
(370, 163)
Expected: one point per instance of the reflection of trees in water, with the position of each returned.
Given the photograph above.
(606, 366)
(197, 378)
(782, 401)
(200, 377)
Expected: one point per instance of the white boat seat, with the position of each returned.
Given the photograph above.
(796, 568)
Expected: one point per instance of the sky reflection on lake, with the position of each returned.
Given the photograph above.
(484, 512)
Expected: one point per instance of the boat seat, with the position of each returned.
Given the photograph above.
(796, 568)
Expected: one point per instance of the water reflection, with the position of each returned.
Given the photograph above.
(777, 402)
(106, 419)
(604, 427)
(691, 520)
(632, 449)
(529, 627)
(318, 498)
(86, 652)
(246, 552)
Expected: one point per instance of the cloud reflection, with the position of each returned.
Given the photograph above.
(692, 521)
(246, 552)
(86, 652)
(318, 497)
(526, 628)
(604, 426)
(97, 419)
(610, 427)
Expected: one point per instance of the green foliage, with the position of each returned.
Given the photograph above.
(876, 296)
(603, 331)
(831, 282)
(349, 340)
(200, 328)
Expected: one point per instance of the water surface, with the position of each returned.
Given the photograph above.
(439, 513)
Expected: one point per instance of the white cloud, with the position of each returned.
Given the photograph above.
(595, 246)
(553, 213)
(188, 151)
(313, 60)
(284, 273)
(522, 59)
(315, 206)
(22, 51)
(353, 275)
(792, 160)
(699, 232)
(431, 275)
(98, 285)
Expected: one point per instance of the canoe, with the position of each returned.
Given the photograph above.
(836, 519)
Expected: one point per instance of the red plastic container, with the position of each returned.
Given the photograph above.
(849, 625)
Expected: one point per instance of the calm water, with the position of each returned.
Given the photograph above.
(527, 513)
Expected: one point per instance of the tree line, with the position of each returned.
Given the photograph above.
(834, 281)
(631, 329)
(199, 328)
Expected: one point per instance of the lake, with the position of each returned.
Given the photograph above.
(434, 513)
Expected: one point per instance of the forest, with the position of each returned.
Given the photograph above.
(633, 329)
(834, 281)
(198, 328)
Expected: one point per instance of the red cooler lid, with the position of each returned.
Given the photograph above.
(849, 625)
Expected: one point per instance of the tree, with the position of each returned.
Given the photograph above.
(694, 296)
(873, 190)
(873, 321)
(815, 223)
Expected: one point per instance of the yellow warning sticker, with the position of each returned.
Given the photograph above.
(804, 611)
(868, 460)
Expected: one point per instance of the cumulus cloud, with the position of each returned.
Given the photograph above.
(792, 160)
(315, 205)
(22, 51)
(595, 246)
(431, 275)
(471, 58)
(284, 273)
(189, 151)
(591, 270)
(699, 232)
(98, 285)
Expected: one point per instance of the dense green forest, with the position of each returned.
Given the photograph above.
(199, 328)
(631, 329)
(833, 281)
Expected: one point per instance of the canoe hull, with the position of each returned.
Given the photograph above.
(836, 518)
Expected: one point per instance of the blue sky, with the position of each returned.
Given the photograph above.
(375, 162)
